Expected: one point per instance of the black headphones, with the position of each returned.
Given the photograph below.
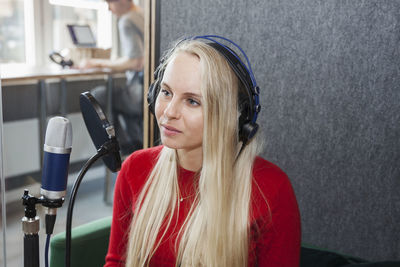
(249, 103)
(59, 59)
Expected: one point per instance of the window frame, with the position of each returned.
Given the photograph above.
(37, 14)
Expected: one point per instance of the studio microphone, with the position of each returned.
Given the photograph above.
(57, 151)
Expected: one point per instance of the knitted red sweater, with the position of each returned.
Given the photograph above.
(275, 230)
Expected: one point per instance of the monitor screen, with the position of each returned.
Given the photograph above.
(82, 35)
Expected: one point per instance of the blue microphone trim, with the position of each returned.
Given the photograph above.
(55, 171)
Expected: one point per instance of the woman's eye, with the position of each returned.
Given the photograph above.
(165, 92)
(193, 102)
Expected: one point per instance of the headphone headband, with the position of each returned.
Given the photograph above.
(210, 38)
(255, 90)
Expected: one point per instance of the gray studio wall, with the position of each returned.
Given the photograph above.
(329, 75)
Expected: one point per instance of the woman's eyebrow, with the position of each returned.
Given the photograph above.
(165, 84)
(189, 94)
(186, 94)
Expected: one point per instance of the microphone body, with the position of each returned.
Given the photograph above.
(55, 173)
(57, 151)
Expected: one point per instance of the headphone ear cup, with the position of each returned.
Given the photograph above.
(154, 88)
(247, 132)
(151, 96)
(68, 63)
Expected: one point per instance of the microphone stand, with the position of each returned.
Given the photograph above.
(31, 226)
(109, 147)
(30, 222)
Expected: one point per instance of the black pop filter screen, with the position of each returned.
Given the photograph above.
(99, 128)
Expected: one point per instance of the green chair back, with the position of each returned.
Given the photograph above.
(89, 244)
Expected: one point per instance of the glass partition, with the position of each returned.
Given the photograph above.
(3, 220)
(12, 29)
(20, 161)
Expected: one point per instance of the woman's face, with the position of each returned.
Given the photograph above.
(178, 108)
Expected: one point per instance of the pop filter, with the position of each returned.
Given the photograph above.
(100, 130)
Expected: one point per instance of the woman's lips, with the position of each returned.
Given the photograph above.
(169, 130)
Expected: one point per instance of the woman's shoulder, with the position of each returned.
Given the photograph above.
(269, 178)
(136, 168)
(141, 160)
(272, 192)
(264, 167)
(147, 155)
(146, 152)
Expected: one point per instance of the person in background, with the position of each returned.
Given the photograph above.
(127, 102)
(203, 197)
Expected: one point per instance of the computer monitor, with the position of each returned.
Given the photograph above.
(82, 35)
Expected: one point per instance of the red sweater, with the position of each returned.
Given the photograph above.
(275, 232)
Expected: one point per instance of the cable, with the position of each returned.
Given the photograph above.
(46, 251)
(50, 220)
(104, 149)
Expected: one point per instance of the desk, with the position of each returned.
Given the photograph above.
(19, 74)
(24, 72)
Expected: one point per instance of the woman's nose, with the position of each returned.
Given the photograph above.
(172, 111)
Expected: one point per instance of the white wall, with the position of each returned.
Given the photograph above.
(21, 145)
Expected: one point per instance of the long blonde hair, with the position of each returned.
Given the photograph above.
(216, 230)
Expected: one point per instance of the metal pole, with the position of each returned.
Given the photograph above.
(3, 183)
(109, 111)
(42, 115)
(30, 227)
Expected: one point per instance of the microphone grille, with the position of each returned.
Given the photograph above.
(59, 133)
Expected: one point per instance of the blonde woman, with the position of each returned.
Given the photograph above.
(204, 197)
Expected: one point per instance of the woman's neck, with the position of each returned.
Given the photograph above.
(191, 160)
